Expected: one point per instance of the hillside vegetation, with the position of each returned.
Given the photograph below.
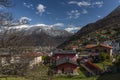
(107, 28)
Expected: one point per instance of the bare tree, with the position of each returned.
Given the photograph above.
(6, 3)
(5, 20)
(5, 17)
(40, 73)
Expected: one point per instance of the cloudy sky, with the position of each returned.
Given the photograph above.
(66, 14)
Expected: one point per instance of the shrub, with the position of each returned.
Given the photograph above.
(79, 50)
(46, 59)
(118, 58)
(107, 56)
(103, 56)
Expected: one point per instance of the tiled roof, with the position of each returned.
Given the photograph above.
(95, 45)
(90, 45)
(65, 60)
(64, 52)
(107, 46)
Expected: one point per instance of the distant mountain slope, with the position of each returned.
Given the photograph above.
(35, 35)
(106, 28)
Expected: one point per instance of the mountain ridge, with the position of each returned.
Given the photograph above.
(109, 22)
(35, 35)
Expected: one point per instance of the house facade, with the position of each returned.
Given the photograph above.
(96, 49)
(114, 44)
(5, 59)
(33, 58)
(65, 61)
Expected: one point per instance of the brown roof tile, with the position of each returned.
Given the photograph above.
(95, 45)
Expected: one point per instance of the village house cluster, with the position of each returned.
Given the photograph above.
(68, 61)
(65, 61)
(30, 58)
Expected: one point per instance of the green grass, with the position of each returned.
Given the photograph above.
(110, 77)
(13, 78)
(81, 72)
(74, 78)
(104, 64)
(100, 65)
(56, 78)
(103, 77)
(78, 77)
(81, 76)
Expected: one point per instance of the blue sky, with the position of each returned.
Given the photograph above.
(66, 14)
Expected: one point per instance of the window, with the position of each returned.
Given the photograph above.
(71, 71)
(105, 50)
(96, 50)
(62, 70)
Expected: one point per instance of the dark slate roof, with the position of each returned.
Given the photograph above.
(4, 51)
(64, 52)
(65, 60)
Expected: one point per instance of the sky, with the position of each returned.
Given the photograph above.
(70, 15)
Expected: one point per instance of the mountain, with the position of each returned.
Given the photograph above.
(35, 35)
(107, 28)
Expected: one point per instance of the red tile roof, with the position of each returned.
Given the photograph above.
(90, 45)
(107, 46)
(94, 45)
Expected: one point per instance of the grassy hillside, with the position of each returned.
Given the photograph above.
(104, 29)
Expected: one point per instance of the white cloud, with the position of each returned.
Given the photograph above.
(41, 25)
(2, 7)
(41, 8)
(85, 11)
(45, 26)
(58, 24)
(73, 14)
(52, 25)
(80, 4)
(28, 5)
(98, 16)
(87, 3)
(72, 28)
(24, 20)
(119, 1)
(99, 3)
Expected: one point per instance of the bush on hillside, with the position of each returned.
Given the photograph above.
(103, 56)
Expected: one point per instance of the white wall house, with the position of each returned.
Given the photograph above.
(114, 44)
(28, 58)
(32, 58)
(35, 61)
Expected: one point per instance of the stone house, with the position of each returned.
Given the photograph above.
(65, 61)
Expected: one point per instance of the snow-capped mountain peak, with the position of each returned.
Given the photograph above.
(40, 34)
(50, 30)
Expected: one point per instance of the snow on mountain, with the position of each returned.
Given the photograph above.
(37, 35)
(38, 28)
